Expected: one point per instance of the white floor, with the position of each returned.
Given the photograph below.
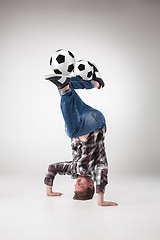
(27, 213)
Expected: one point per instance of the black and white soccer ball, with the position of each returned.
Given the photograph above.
(83, 69)
(62, 62)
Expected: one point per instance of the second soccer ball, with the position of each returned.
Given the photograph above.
(83, 69)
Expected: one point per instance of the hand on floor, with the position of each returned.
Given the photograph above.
(54, 194)
(108, 204)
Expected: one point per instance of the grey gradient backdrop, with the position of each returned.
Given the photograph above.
(122, 38)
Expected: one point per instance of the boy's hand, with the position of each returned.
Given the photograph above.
(50, 193)
(54, 194)
(101, 201)
(107, 204)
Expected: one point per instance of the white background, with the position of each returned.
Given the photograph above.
(122, 38)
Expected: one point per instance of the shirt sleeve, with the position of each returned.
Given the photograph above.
(61, 167)
(101, 177)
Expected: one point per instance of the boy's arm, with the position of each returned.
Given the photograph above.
(101, 172)
(62, 168)
(50, 193)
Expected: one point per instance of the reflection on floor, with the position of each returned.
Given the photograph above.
(27, 213)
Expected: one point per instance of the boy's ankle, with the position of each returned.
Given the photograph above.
(65, 88)
(97, 85)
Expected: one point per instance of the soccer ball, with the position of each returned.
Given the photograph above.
(84, 70)
(62, 62)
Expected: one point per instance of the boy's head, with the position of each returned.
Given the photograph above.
(84, 188)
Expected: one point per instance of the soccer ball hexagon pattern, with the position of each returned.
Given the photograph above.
(62, 62)
(83, 69)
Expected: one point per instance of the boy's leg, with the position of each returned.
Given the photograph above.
(80, 119)
(78, 83)
(72, 105)
(72, 108)
(95, 84)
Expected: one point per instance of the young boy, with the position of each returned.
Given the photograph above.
(86, 127)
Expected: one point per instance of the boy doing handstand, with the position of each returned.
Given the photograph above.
(86, 127)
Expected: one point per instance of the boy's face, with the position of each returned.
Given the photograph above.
(82, 184)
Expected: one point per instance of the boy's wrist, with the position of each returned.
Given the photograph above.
(100, 198)
(50, 193)
(48, 190)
